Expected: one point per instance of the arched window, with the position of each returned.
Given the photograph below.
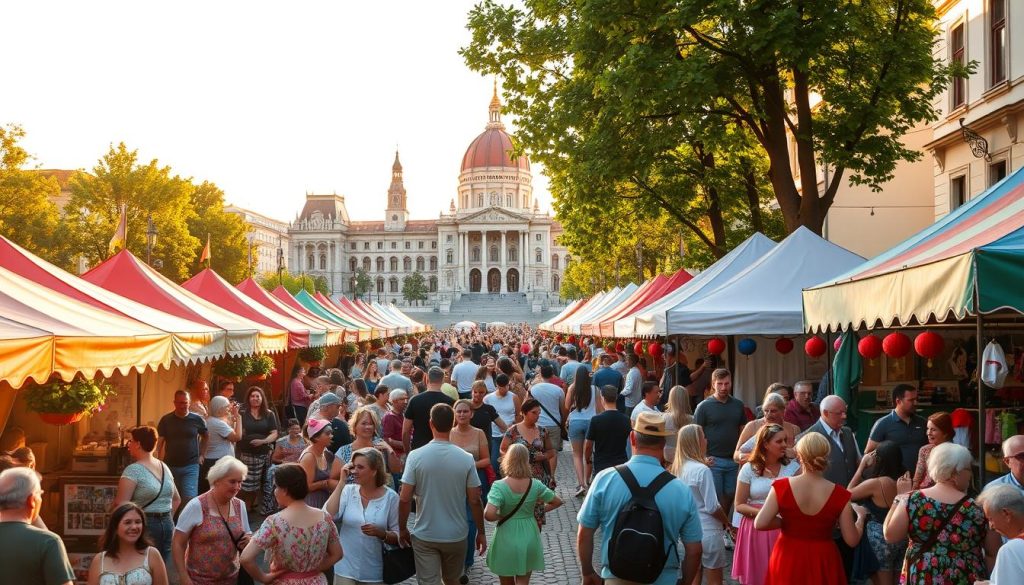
(433, 284)
(480, 200)
(539, 256)
(380, 284)
(495, 198)
(394, 284)
(309, 262)
(420, 265)
(555, 283)
(323, 261)
(554, 261)
(508, 200)
(380, 264)
(475, 256)
(407, 264)
(568, 259)
(449, 257)
(513, 254)
(494, 253)
(433, 262)
(353, 264)
(394, 264)
(366, 263)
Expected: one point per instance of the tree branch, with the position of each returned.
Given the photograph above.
(693, 227)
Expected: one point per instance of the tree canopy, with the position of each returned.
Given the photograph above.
(28, 216)
(362, 283)
(294, 283)
(414, 288)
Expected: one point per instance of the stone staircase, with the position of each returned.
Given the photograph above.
(488, 307)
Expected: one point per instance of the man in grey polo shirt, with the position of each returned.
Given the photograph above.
(902, 426)
(442, 478)
(395, 380)
(722, 417)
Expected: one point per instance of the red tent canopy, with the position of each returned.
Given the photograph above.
(254, 291)
(606, 326)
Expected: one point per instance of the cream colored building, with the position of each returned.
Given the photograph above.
(976, 141)
(493, 238)
(266, 237)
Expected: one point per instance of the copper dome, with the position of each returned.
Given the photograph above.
(493, 148)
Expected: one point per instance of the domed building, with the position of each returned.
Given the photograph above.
(493, 239)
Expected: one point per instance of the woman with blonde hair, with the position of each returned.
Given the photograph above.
(677, 416)
(517, 551)
(364, 423)
(690, 465)
(805, 551)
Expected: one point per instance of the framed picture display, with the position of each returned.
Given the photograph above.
(87, 507)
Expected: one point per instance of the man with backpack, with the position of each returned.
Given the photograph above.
(642, 511)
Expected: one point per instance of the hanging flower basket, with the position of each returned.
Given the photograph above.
(233, 368)
(62, 403)
(55, 418)
(260, 366)
(312, 355)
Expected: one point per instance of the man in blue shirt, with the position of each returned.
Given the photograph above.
(1013, 456)
(605, 375)
(609, 493)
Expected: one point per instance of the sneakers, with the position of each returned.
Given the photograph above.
(730, 544)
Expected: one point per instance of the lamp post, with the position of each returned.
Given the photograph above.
(150, 238)
(250, 237)
(280, 261)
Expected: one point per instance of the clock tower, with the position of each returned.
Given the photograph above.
(397, 213)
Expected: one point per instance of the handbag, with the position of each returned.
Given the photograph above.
(937, 529)
(399, 563)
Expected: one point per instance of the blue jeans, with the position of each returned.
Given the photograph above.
(160, 528)
(186, 479)
(485, 488)
(496, 456)
(724, 473)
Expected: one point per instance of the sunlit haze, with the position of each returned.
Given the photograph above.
(267, 100)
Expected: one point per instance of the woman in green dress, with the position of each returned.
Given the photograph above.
(516, 550)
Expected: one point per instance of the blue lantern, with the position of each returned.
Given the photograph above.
(747, 346)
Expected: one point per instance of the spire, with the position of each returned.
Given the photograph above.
(494, 120)
(396, 192)
(398, 164)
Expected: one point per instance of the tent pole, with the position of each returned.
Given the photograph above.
(138, 398)
(979, 348)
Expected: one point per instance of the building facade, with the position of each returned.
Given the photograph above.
(268, 238)
(975, 142)
(493, 239)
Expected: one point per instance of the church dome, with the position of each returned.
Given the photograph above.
(493, 148)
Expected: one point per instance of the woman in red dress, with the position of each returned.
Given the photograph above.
(806, 508)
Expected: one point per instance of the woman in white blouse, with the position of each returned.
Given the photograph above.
(366, 513)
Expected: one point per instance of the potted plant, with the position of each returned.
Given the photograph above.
(260, 366)
(233, 368)
(61, 403)
(312, 355)
(348, 348)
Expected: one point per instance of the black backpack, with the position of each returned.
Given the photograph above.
(636, 550)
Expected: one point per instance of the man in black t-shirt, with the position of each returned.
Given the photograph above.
(607, 436)
(417, 414)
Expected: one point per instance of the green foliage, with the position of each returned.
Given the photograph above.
(294, 283)
(349, 348)
(414, 288)
(233, 367)
(28, 216)
(312, 354)
(79, 395)
(261, 365)
(228, 234)
(362, 283)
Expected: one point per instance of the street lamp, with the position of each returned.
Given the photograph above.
(250, 237)
(280, 261)
(150, 238)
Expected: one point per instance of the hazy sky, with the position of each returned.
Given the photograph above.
(269, 100)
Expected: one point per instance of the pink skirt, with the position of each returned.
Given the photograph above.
(753, 553)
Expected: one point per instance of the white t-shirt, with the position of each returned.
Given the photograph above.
(642, 407)
(218, 445)
(463, 375)
(1009, 567)
(506, 409)
(551, 397)
(761, 485)
(362, 560)
(588, 412)
(192, 515)
(702, 484)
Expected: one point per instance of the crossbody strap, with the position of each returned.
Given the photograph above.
(937, 529)
(519, 505)
(160, 490)
(558, 421)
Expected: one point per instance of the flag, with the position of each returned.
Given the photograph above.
(205, 256)
(847, 371)
(120, 238)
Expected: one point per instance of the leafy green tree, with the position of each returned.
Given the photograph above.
(294, 283)
(146, 190)
(626, 87)
(28, 216)
(228, 234)
(362, 283)
(414, 288)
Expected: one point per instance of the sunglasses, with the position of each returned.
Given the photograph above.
(1019, 457)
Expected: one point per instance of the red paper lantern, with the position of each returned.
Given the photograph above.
(870, 346)
(638, 348)
(896, 345)
(654, 349)
(716, 346)
(619, 347)
(815, 347)
(784, 345)
(929, 345)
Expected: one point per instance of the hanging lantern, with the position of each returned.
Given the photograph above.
(896, 345)
(619, 347)
(747, 346)
(815, 347)
(716, 346)
(870, 347)
(929, 345)
(784, 345)
(638, 348)
(654, 349)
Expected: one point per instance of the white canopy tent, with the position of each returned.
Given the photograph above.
(613, 298)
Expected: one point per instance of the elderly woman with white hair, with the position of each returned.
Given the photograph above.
(1004, 508)
(213, 528)
(947, 529)
(773, 407)
(225, 429)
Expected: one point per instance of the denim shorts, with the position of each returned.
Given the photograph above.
(578, 430)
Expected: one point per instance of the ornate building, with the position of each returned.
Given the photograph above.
(493, 238)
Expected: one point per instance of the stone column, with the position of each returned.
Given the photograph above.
(464, 261)
(503, 255)
(525, 241)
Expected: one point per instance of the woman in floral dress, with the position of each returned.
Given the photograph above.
(535, 438)
(302, 541)
(957, 553)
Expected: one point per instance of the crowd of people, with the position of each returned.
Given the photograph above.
(391, 463)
